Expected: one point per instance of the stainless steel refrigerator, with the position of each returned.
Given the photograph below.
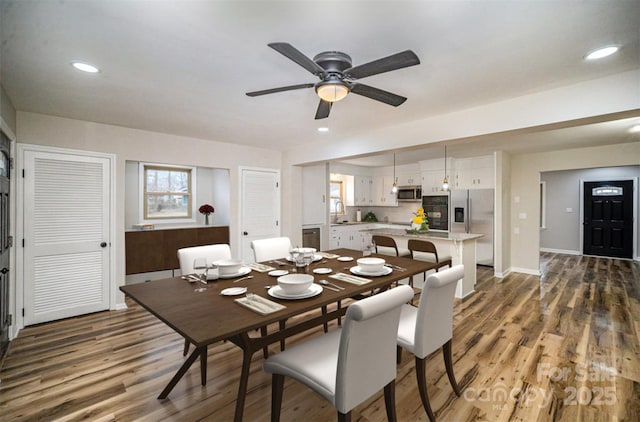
(471, 211)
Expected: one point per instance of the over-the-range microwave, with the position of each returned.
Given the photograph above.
(410, 194)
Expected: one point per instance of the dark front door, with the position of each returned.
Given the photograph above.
(608, 218)
(4, 244)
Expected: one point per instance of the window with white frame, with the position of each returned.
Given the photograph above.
(167, 192)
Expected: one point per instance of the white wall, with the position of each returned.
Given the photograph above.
(562, 232)
(525, 183)
(137, 145)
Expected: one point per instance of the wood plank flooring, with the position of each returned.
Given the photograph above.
(564, 346)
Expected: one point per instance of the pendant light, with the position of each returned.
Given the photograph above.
(394, 188)
(445, 181)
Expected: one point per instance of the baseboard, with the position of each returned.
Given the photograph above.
(502, 274)
(524, 270)
(562, 251)
(120, 306)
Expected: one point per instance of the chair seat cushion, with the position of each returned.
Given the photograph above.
(429, 257)
(313, 363)
(407, 327)
(387, 250)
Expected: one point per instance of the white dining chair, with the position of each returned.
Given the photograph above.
(217, 252)
(271, 248)
(424, 329)
(350, 364)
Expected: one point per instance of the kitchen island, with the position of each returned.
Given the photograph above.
(460, 246)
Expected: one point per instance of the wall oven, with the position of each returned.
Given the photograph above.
(409, 193)
(437, 210)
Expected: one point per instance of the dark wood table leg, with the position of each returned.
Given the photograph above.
(247, 351)
(183, 369)
(203, 366)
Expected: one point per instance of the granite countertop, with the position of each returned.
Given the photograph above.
(427, 235)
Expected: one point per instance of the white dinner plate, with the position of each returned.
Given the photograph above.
(316, 257)
(278, 273)
(233, 291)
(345, 258)
(241, 272)
(356, 270)
(322, 270)
(313, 290)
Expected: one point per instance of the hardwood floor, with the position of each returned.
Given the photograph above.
(564, 346)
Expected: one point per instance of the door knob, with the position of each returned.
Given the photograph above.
(103, 245)
(245, 233)
(4, 270)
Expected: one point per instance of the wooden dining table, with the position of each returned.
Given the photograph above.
(204, 318)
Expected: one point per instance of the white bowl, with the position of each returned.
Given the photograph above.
(371, 265)
(292, 284)
(227, 267)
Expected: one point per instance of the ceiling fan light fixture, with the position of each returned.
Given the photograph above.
(332, 91)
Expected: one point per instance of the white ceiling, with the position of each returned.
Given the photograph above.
(183, 67)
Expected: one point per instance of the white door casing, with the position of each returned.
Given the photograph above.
(67, 218)
(259, 207)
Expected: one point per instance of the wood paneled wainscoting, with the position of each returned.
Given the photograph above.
(563, 346)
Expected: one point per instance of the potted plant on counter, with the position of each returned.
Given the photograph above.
(419, 223)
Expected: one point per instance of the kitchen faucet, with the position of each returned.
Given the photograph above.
(339, 205)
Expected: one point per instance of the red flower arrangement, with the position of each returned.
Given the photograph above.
(206, 209)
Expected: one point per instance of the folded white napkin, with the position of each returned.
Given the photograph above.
(261, 268)
(259, 304)
(353, 279)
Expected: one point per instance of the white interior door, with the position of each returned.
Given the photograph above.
(66, 235)
(260, 207)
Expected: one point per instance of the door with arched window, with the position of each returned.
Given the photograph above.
(608, 218)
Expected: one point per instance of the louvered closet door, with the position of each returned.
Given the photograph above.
(66, 227)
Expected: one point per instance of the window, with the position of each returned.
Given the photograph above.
(167, 192)
(336, 197)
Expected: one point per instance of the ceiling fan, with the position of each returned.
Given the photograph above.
(338, 77)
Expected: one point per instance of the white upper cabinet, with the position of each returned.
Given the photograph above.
(314, 195)
(362, 190)
(433, 173)
(473, 173)
(409, 175)
(381, 191)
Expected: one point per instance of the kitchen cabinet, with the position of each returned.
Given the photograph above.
(409, 175)
(362, 190)
(314, 195)
(473, 173)
(432, 182)
(381, 192)
(350, 236)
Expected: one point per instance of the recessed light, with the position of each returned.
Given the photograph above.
(85, 67)
(634, 129)
(323, 129)
(602, 52)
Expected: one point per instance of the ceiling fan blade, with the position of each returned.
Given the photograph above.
(377, 94)
(323, 109)
(283, 88)
(395, 61)
(294, 54)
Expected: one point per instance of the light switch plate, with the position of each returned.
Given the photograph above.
(569, 209)
(522, 216)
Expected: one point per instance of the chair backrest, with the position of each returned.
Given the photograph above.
(434, 326)
(367, 352)
(211, 252)
(385, 241)
(272, 248)
(424, 246)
